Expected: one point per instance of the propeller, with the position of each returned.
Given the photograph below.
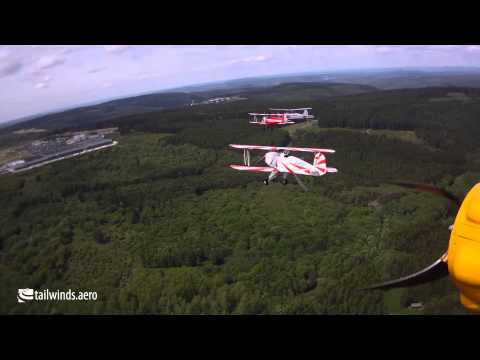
(259, 159)
(435, 271)
(438, 270)
(431, 189)
(302, 185)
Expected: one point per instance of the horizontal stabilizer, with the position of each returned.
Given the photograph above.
(437, 270)
(332, 170)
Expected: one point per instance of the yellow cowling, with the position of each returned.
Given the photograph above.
(464, 251)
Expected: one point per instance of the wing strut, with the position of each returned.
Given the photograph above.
(246, 157)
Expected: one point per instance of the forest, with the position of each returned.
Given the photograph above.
(160, 224)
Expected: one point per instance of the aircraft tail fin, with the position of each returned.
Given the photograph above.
(320, 162)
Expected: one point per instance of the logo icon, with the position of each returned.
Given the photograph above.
(25, 295)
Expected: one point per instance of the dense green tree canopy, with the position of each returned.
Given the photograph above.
(160, 224)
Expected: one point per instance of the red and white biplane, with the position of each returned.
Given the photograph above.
(279, 161)
(270, 120)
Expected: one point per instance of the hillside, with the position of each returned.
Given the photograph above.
(89, 116)
(292, 91)
(327, 83)
(159, 224)
(393, 78)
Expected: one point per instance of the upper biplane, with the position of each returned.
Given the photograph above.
(279, 160)
(296, 114)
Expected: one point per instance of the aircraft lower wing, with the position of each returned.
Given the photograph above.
(252, 168)
(279, 148)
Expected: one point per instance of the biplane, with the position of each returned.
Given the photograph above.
(270, 120)
(279, 160)
(296, 114)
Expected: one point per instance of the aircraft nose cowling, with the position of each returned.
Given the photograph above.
(464, 251)
(473, 210)
(464, 269)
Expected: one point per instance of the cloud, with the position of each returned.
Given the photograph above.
(40, 85)
(4, 53)
(384, 49)
(10, 68)
(49, 61)
(96, 70)
(473, 48)
(115, 48)
(251, 59)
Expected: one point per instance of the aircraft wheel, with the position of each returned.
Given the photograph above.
(285, 182)
(265, 181)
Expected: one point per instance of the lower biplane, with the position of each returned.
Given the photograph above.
(279, 160)
(270, 120)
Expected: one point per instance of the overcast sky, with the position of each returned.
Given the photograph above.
(38, 78)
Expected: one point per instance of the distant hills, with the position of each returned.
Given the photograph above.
(275, 95)
(88, 115)
(394, 78)
(274, 89)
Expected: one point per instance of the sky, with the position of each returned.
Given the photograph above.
(41, 78)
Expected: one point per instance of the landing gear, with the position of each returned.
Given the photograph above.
(265, 181)
(284, 181)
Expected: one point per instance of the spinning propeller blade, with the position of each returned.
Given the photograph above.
(431, 189)
(438, 270)
(259, 159)
(302, 185)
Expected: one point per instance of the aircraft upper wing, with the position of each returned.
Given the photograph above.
(290, 109)
(258, 114)
(252, 168)
(279, 148)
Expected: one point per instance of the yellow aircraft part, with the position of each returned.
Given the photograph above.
(464, 251)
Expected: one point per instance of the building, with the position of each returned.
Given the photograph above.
(13, 165)
(76, 138)
(416, 306)
(63, 152)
